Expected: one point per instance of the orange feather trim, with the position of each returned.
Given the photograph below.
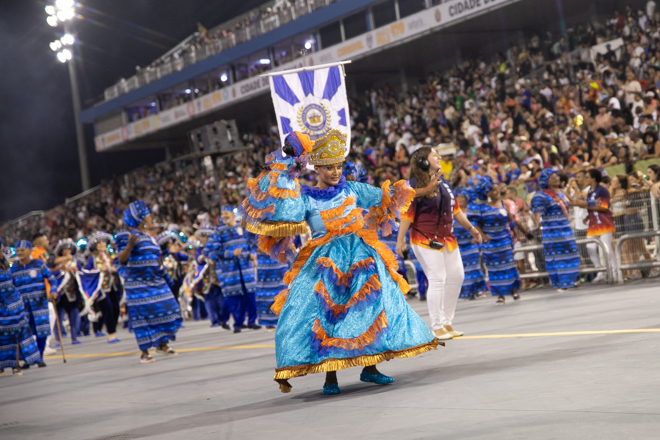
(391, 262)
(344, 278)
(370, 286)
(278, 166)
(403, 195)
(280, 299)
(336, 225)
(306, 251)
(331, 214)
(307, 143)
(358, 343)
(256, 212)
(273, 191)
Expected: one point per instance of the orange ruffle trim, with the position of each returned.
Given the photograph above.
(355, 216)
(331, 214)
(370, 237)
(273, 191)
(380, 216)
(357, 343)
(344, 278)
(280, 299)
(370, 286)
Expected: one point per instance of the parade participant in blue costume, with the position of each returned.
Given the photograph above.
(29, 277)
(344, 305)
(152, 310)
(473, 283)
(107, 283)
(270, 274)
(16, 337)
(561, 254)
(207, 286)
(492, 220)
(200, 282)
(70, 301)
(233, 256)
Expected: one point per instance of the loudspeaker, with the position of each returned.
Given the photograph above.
(220, 136)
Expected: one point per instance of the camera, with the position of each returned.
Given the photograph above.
(436, 245)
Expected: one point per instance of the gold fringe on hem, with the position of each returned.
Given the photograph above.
(335, 364)
(276, 229)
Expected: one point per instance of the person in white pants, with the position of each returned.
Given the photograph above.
(430, 219)
(601, 221)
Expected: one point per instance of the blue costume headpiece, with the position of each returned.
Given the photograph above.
(137, 211)
(464, 192)
(483, 187)
(165, 238)
(227, 208)
(543, 180)
(65, 243)
(356, 170)
(23, 244)
(300, 142)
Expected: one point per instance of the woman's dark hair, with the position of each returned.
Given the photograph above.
(563, 180)
(422, 177)
(596, 175)
(656, 170)
(623, 180)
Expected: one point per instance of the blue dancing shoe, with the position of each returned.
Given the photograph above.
(379, 379)
(331, 389)
(113, 341)
(76, 342)
(99, 334)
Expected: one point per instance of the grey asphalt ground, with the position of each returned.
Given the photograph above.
(600, 386)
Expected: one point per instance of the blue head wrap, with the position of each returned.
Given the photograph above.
(356, 170)
(137, 211)
(23, 244)
(483, 187)
(97, 237)
(65, 243)
(165, 238)
(227, 208)
(465, 192)
(543, 180)
(300, 142)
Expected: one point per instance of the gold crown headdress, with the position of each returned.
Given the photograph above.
(329, 149)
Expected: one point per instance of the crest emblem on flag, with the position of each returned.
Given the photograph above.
(312, 102)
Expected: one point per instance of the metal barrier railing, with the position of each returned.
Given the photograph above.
(607, 268)
(638, 265)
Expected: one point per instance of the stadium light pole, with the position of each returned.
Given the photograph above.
(62, 12)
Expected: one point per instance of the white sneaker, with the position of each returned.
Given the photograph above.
(48, 351)
(600, 277)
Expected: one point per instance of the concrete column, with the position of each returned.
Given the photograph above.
(404, 81)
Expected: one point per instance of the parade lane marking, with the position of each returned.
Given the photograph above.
(180, 350)
(247, 347)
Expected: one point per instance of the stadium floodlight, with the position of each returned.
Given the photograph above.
(223, 77)
(61, 57)
(64, 4)
(264, 61)
(50, 10)
(67, 54)
(196, 90)
(52, 20)
(56, 45)
(66, 14)
(308, 45)
(67, 39)
(188, 91)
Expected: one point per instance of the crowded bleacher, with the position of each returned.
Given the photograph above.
(550, 103)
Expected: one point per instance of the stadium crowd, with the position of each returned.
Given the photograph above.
(491, 116)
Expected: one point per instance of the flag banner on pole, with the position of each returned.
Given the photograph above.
(312, 102)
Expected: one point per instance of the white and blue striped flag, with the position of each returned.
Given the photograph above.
(311, 102)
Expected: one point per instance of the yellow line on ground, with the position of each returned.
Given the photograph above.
(247, 347)
(536, 335)
(179, 350)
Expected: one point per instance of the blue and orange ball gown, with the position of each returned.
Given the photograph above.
(344, 305)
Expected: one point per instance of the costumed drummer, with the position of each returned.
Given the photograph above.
(29, 277)
(69, 299)
(110, 286)
(344, 305)
(431, 221)
(16, 337)
(152, 310)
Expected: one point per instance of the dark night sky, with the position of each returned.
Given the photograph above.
(38, 153)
